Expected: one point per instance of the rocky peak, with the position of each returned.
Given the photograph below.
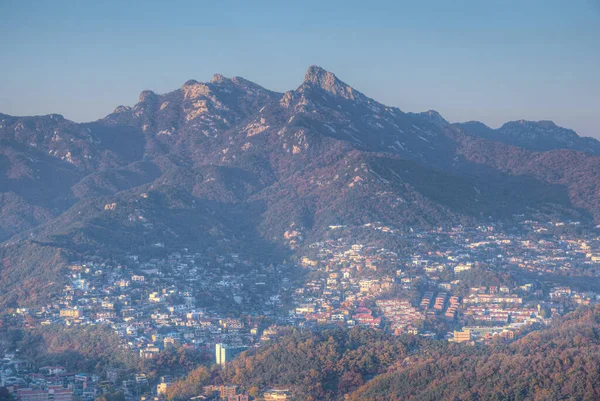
(548, 124)
(315, 74)
(318, 77)
(434, 117)
(218, 79)
(545, 124)
(476, 128)
(146, 95)
(122, 109)
(193, 89)
(537, 129)
(235, 83)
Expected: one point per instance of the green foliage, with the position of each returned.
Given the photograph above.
(86, 349)
(30, 273)
(190, 386)
(117, 396)
(175, 362)
(478, 277)
(319, 365)
(559, 363)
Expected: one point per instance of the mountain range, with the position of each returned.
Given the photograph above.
(228, 166)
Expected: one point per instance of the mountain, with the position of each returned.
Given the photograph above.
(229, 166)
(533, 135)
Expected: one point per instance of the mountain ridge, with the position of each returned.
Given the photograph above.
(229, 164)
(540, 135)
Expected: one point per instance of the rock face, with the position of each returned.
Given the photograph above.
(228, 164)
(328, 82)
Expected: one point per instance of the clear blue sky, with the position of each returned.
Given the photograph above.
(487, 60)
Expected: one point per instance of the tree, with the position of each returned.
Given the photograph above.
(5, 394)
(253, 392)
(190, 386)
(349, 382)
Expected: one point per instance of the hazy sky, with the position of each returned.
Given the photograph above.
(492, 60)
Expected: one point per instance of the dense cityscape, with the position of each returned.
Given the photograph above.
(463, 284)
(430, 234)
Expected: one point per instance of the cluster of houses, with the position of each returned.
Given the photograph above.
(47, 383)
(359, 284)
(402, 281)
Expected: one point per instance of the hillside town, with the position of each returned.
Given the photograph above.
(461, 284)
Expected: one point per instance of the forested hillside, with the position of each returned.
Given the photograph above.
(561, 362)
